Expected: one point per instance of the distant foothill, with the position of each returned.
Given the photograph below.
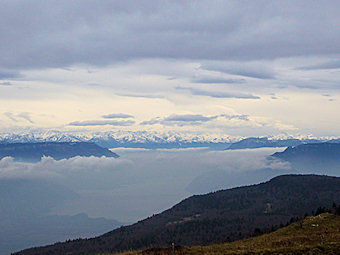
(33, 152)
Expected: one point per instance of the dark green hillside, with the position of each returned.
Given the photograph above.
(314, 235)
(217, 217)
(58, 150)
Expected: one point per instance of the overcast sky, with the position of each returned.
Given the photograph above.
(238, 68)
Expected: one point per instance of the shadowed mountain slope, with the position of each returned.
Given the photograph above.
(313, 156)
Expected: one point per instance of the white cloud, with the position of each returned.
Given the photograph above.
(58, 169)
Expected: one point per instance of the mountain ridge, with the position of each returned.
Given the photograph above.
(156, 140)
(313, 156)
(265, 142)
(139, 139)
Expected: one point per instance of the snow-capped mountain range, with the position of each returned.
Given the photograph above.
(139, 139)
(155, 140)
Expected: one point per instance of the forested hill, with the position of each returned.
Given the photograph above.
(215, 217)
(315, 235)
(33, 152)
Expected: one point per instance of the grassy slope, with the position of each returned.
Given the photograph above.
(316, 235)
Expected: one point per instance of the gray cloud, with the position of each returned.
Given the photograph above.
(25, 116)
(239, 117)
(273, 96)
(10, 116)
(5, 83)
(218, 94)
(307, 86)
(16, 117)
(180, 120)
(189, 117)
(330, 97)
(335, 64)
(71, 32)
(8, 74)
(139, 95)
(250, 69)
(153, 121)
(102, 123)
(117, 116)
(216, 80)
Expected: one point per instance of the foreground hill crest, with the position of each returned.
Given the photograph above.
(314, 235)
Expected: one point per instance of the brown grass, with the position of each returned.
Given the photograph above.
(315, 235)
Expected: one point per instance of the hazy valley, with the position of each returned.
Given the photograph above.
(38, 196)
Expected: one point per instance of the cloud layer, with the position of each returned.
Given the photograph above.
(68, 33)
(191, 119)
(49, 168)
(138, 184)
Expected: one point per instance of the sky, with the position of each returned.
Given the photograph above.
(235, 68)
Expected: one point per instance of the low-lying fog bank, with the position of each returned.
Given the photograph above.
(138, 184)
